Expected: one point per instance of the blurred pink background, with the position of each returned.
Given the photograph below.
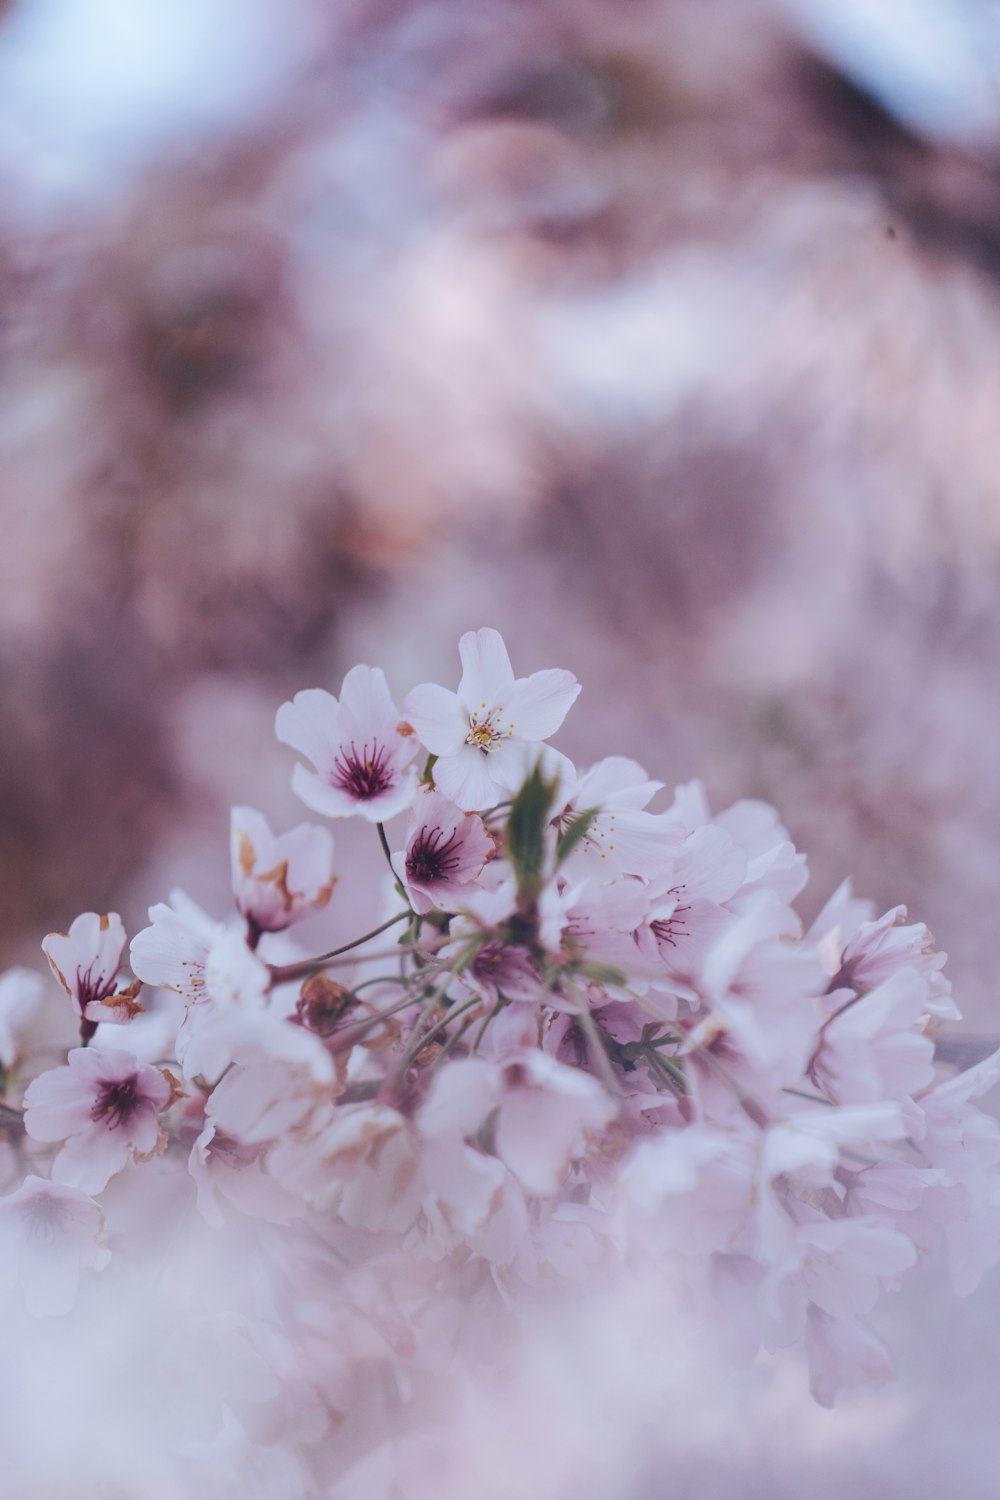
(662, 335)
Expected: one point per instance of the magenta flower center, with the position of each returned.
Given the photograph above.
(433, 857)
(363, 773)
(117, 1101)
(91, 987)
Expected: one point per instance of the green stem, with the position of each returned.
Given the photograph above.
(280, 973)
(420, 1041)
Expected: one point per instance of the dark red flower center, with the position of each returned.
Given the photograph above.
(363, 773)
(93, 987)
(433, 857)
(117, 1101)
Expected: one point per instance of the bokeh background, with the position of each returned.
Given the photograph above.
(663, 335)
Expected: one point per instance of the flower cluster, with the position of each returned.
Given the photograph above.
(581, 1034)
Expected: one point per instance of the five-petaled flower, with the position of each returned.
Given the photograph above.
(360, 745)
(105, 1105)
(445, 852)
(278, 880)
(86, 961)
(48, 1234)
(479, 734)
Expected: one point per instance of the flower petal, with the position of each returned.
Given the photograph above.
(438, 718)
(466, 779)
(535, 706)
(486, 670)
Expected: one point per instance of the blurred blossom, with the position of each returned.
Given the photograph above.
(663, 337)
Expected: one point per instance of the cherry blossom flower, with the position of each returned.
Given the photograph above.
(229, 1172)
(224, 984)
(572, 1058)
(173, 951)
(105, 1106)
(361, 747)
(479, 734)
(49, 1233)
(621, 838)
(445, 851)
(873, 1046)
(86, 961)
(544, 1112)
(278, 880)
(21, 992)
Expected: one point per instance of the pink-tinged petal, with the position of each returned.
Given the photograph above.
(545, 1112)
(445, 852)
(465, 779)
(438, 717)
(535, 706)
(310, 723)
(843, 1354)
(56, 1104)
(278, 881)
(171, 952)
(144, 1130)
(710, 865)
(459, 1100)
(486, 670)
(512, 762)
(366, 699)
(88, 1161)
(21, 996)
(86, 960)
(615, 782)
(390, 803)
(48, 1233)
(316, 792)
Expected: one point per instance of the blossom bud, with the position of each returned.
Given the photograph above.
(321, 1003)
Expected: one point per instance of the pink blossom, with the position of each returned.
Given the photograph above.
(173, 950)
(228, 1172)
(479, 734)
(49, 1233)
(86, 961)
(358, 1161)
(21, 992)
(545, 1111)
(873, 1046)
(878, 949)
(361, 747)
(687, 905)
(211, 966)
(278, 880)
(621, 838)
(105, 1106)
(445, 852)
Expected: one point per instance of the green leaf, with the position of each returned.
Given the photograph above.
(576, 829)
(527, 820)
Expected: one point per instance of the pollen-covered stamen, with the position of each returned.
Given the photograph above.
(488, 728)
(433, 857)
(117, 1102)
(363, 773)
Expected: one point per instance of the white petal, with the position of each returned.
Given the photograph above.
(310, 724)
(438, 717)
(535, 706)
(466, 779)
(486, 670)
